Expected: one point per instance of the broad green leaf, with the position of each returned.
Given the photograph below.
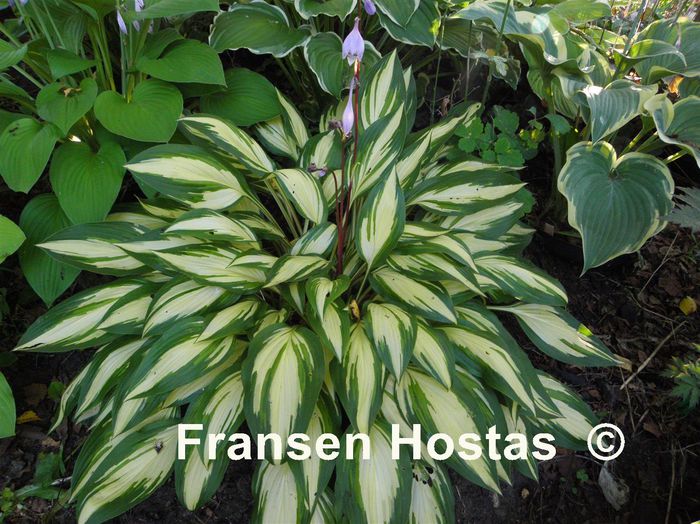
(393, 334)
(64, 63)
(11, 238)
(616, 204)
(87, 183)
(7, 409)
(649, 51)
(149, 116)
(10, 55)
(400, 11)
(679, 123)
(282, 376)
(63, 106)
(304, 191)
(171, 8)
(582, 11)
(421, 29)
(25, 148)
(41, 218)
(250, 98)
(381, 221)
(185, 61)
(260, 27)
(277, 495)
(311, 8)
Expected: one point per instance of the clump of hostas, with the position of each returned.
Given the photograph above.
(340, 283)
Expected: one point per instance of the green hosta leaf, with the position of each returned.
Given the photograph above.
(448, 411)
(206, 224)
(72, 324)
(400, 11)
(282, 376)
(10, 55)
(615, 105)
(274, 137)
(25, 148)
(650, 51)
(319, 240)
(383, 91)
(381, 221)
(678, 123)
(40, 219)
(292, 120)
(425, 298)
(304, 191)
(170, 8)
(290, 268)
(359, 380)
(185, 61)
(421, 29)
(11, 238)
(150, 116)
(311, 8)
(582, 11)
(87, 183)
(230, 140)
(377, 490)
(63, 63)
(250, 98)
(7, 409)
(277, 495)
(393, 334)
(323, 291)
(332, 327)
(93, 247)
(560, 336)
(432, 499)
(434, 353)
(520, 280)
(259, 27)
(127, 315)
(63, 106)
(233, 320)
(190, 175)
(432, 268)
(616, 204)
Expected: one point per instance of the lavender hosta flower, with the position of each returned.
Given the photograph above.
(354, 45)
(348, 120)
(138, 7)
(370, 8)
(121, 23)
(11, 3)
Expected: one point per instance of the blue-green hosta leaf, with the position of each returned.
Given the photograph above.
(25, 149)
(282, 375)
(383, 91)
(73, 323)
(230, 140)
(63, 106)
(7, 409)
(184, 61)
(434, 353)
(393, 334)
(149, 116)
(650, 51)
(519, 279)
(678, 123)
(359, 380)
(233, 320)
(432, 499)
(311, 8)
(260, 27)
(448, 411)
(190, 175)
(683, 36)
(381, 221)
(278, 497)
(560, 335)
(220, 410)
(171, 8)
(376, 491)
(615, 105)
(421, 29)
(616, 204)
(319, 240)
(135, 467)
(400, 11)
(426, 298)
(11, 238)
(94, 247)
(87, 183)
(290, 268)
(210, 225)
(304, 191)
(10, 55)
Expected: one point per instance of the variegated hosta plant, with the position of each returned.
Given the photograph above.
(314, 288)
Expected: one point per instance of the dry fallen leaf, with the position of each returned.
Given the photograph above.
(653, 428)
(28, 416)
(688, 306)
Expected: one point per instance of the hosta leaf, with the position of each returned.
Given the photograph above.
(87, 183)
(421, 29)
(678, 123)
(282, 375)
(312, 8)
(425, 298)
(190, 175)
(234, 319)
(616, 204)
(250, 98)
(63, 63)
(381, 221)
(290, 268)
(332, 327)
(432, 499)
(10, 55)
(376, 491)
(210, 225)
(273, 136)
(25, 148)
(400, 11)
(184, 61)
(560, 335)
(383, 91)
(259, 27)
(319, 240)
(227, 138)
(63, 106)
(304, 191)
(650, 51)
(11, 238)
(322, 291)
(7, 409)
(434, 353)
(277, 495)
(149, 116)
(170, 8)
(393, 334)
(359, 380)
(128, 313)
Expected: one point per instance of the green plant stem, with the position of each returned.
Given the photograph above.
(649, 144)
(635, 141)
(29, 77)
(676, 156)
(499, 41)
(437, 72)
(469, 60)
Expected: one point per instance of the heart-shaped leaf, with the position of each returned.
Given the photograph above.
(185, 61)
(250, 98)
(259, 27)
(87, 183)
(150, 116)
(11, 237)
(25, 148)
(679, 123)
(422, 27)
(616, 204)
(400, 11)
(63, 106)
(41, 218)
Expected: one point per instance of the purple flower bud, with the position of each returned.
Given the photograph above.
(370, 8)
(348, 121)
(321, 173)
(121, 23)
(354, 45)
(138, 5)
